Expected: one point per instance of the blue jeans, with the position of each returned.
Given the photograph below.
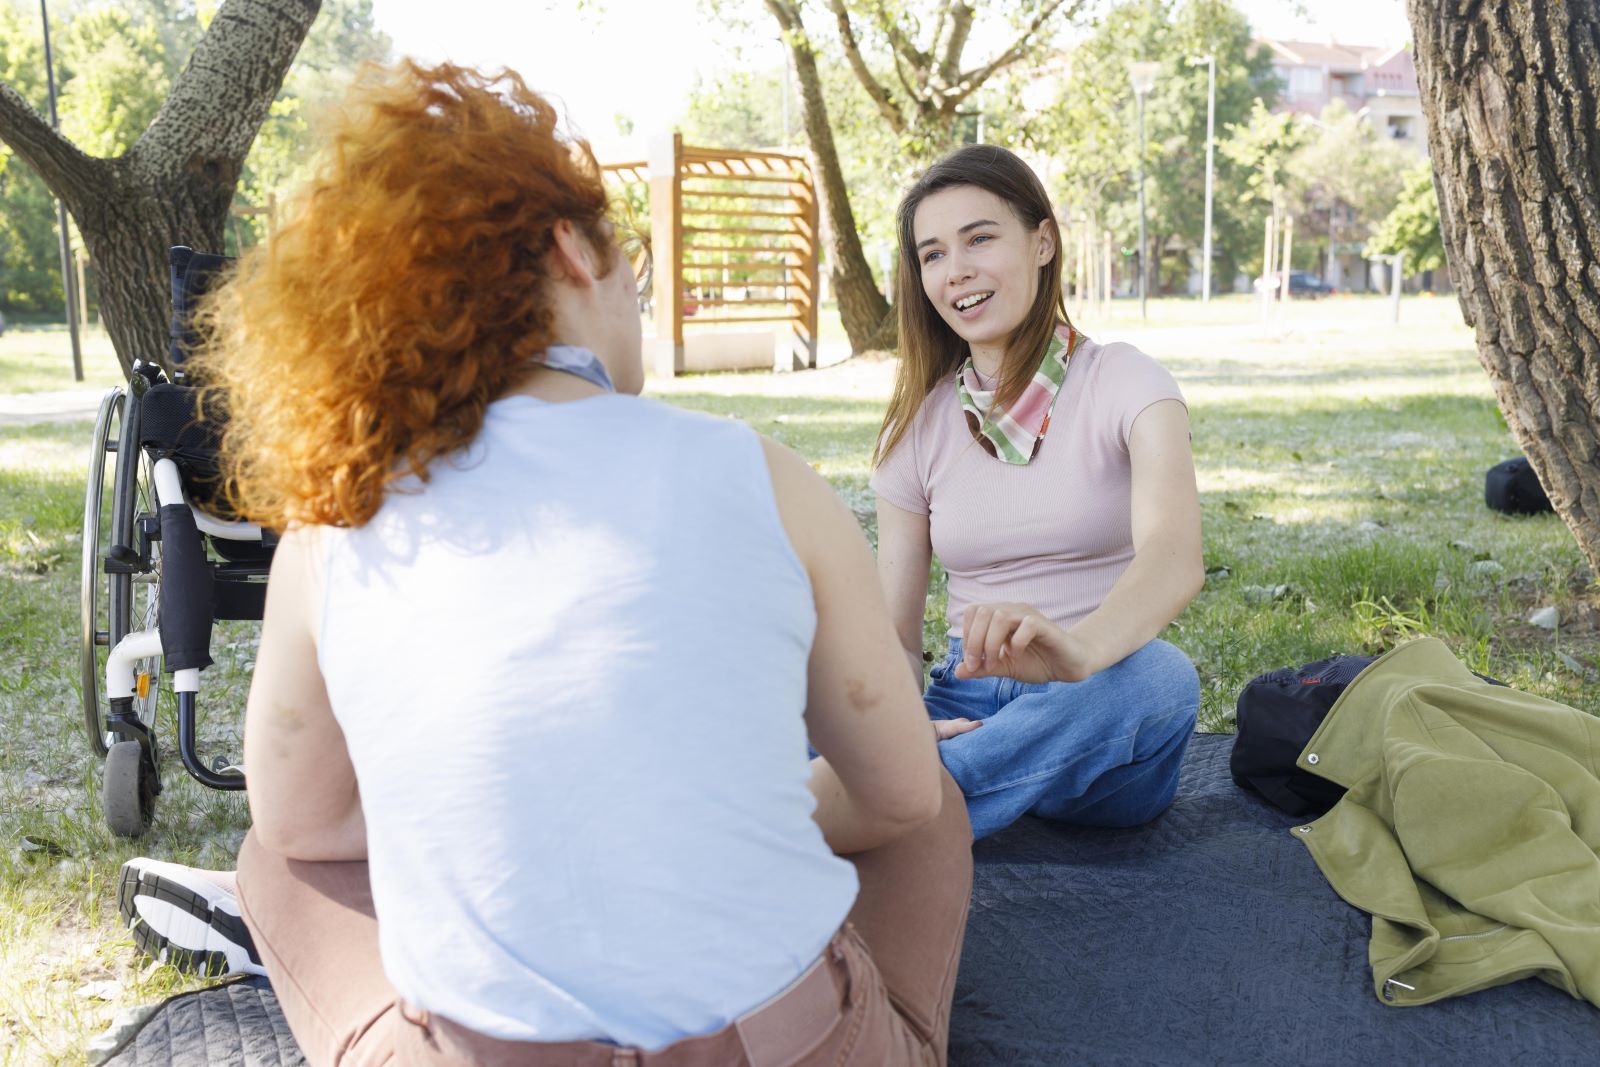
(1101, 752)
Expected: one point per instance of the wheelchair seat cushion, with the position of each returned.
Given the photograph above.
(170, 428)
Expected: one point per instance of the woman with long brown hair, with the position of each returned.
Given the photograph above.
(541, 659)
(1053, 477)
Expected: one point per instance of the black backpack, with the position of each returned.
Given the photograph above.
(1513, 488)
(1278, 713)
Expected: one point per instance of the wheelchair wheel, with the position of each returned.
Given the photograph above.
(128, 791)
(95, 593)
(120, 487)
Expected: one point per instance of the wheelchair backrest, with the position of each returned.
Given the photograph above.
(193, 274)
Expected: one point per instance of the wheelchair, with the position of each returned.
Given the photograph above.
(163, 558)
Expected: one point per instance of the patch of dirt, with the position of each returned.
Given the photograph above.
(1578, 634)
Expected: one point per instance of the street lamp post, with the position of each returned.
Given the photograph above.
(68, 288)
(1211, 139)
(1143, 76)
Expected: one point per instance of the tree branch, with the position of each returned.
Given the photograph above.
(788, 17)
(919, 99)
(960, 30)
(216, 107)
(901, 45)
(66, 170)
(971, 81)
(941, 19)
(875, 89)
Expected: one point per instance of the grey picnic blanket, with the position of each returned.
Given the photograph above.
(1206, 937)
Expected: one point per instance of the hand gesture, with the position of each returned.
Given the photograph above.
(1016, 641)
(945, 729)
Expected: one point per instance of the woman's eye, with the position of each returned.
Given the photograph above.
(931, 256)
(982, 237)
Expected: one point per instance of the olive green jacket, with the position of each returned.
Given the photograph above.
(1469, 831)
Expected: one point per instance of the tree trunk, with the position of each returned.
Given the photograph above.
(175, 185)
(1509, 94)
(868, 319)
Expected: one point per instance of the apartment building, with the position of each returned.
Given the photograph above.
(1381, 80)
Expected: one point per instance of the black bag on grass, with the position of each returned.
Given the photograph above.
(1513, 488)
(1277, 714)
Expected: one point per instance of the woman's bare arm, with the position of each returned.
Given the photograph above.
(303, 797)
(905, 554)
(878, 773)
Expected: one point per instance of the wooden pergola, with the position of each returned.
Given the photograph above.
(734, 237)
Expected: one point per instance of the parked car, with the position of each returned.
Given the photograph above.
(1301, 283)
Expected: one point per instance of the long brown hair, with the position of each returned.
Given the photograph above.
(930, 350)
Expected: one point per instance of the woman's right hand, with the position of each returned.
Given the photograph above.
(1017, 641)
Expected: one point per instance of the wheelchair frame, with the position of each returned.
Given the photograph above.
(123, 643)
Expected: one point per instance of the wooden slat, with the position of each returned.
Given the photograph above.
(732, 168)
(666, 225)
(744, 214)
(784, 250)
(747, 266)
(708, 166)
(750, 230)
(693, 320)
(692, 153)
(693, 302)
(788, 178)
(797, 285)
(739, 194)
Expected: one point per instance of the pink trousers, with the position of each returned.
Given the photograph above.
(880, 995)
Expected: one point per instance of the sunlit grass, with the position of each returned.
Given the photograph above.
(37, 360)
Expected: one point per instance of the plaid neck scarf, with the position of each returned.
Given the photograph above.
(1013, 435)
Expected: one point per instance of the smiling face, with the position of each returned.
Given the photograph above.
(979, 265)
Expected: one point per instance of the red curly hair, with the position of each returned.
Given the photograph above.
(404, 293)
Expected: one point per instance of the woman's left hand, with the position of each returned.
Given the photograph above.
(1016, 641)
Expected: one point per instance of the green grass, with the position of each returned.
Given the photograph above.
(1340, 461)
(38, 359)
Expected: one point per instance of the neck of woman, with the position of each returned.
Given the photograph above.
(986, 360)
(545, 383)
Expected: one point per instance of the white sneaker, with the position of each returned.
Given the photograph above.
(179, 916)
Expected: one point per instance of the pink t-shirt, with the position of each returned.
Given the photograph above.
(1055, 532)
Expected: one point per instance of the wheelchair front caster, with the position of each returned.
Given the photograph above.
(128, 793)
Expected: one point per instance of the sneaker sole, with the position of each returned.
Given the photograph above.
(172, 923)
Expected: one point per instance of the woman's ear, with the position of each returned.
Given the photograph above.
(571, 256)
(1047, 244)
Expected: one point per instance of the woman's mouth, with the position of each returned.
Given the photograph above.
(971, 305)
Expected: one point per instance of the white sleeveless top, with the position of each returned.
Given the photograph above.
(570, 670)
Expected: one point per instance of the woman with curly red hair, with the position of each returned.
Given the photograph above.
(541, 659)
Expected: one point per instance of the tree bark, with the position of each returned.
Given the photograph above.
(175, 185)
(868, 320)
(1509, 94)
